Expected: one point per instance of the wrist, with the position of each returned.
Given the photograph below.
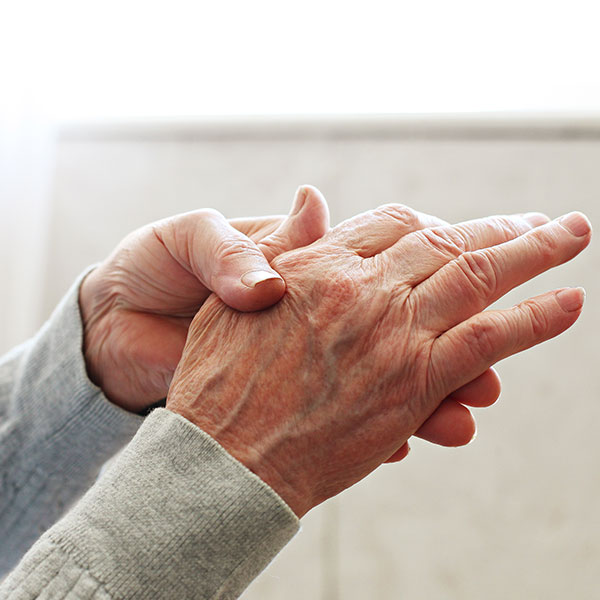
(265, 463)
(281, 481)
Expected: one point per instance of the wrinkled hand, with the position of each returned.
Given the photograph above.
(381, 321)
(138, 304)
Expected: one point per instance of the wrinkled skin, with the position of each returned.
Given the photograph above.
(138, 304)
(381, 321)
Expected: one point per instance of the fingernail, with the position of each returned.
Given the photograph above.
(253, 278)
(576, 223)
(571, 299)
(299, 200)
(535, 219)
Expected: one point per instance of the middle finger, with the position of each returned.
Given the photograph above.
(419, 255)
(473, 281)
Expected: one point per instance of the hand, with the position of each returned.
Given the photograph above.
(137, 305)
(373, 333)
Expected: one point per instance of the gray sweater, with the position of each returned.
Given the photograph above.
(174, 516)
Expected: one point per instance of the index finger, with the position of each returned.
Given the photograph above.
(423, 252)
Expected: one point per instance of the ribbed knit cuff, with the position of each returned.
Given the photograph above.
(58, 432)
(175, 516)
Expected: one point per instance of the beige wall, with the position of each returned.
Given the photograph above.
(513, 515)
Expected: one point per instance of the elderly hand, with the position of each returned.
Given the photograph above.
(381, 321)
(137, 305)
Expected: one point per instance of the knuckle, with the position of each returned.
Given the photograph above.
(546, 243)
(509, 227)
(499, 228)
(447, 240)
(479, 270)
(482, 338)
(398, 212)
(537, 318)
(341, 289)
(190, 221)
(187, 225)
(191, 218)
(206, 213)
(230, 248)
(338, 293)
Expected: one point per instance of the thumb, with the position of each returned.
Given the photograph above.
(230, 264)
(307, 222)
(226, 261)
(244, 278)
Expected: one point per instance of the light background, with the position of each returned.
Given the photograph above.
(124, 58)
(514, 514)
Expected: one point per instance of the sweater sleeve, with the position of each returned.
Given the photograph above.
(56, 430)
(175, 516)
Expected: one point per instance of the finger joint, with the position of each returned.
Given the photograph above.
(479, 269)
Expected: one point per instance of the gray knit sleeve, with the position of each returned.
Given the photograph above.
(56, 430)
(175, 516)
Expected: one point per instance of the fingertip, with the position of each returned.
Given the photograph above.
(400, 454)
(576, 223)
(493, 382)
(252, 279)
(465, 430)
(307, 222)
(299, 199)
(571, 299)
(474, 436)
(451, 425)
(311, 208)
(264, 293)
(481, 392)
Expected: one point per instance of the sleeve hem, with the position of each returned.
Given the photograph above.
(178, 513)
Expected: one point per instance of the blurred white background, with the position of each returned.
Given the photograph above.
(113, 114)
(145, 59)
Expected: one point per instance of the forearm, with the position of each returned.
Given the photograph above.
(174, 517)
(56, 430)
